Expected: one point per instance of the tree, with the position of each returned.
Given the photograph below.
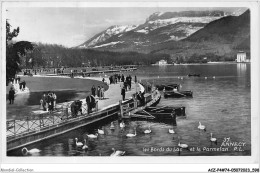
(14, 52)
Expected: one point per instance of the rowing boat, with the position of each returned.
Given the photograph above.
(178, 94)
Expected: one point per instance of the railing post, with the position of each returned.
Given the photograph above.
(14, 128)
(121, 108)
(27, 119)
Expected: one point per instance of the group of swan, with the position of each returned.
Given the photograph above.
(202, 127)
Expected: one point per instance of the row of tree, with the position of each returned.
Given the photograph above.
(46, 55)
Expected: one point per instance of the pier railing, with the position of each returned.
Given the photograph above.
(38, 122)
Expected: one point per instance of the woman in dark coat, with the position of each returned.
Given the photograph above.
(93, 90)
(11, 95)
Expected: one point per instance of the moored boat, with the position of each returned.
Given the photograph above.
(194, 75)
(179, 111)
(168, 87)
(178, 94)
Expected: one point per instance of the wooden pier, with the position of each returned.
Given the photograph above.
(37, 128)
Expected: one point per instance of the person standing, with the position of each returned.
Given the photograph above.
(123, 93)
(135, 79)
(43, 102)
(11, 95)
(98, 92)
(90, 100)
(123, 78)
(102, 91)
(55, 99)
(93, 90)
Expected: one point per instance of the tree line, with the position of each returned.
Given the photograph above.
(52, 55)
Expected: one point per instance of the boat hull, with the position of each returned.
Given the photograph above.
(169, 87)
(178, 94)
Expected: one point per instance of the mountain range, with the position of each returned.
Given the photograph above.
(179, 34)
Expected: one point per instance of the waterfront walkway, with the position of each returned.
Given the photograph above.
(112, 97)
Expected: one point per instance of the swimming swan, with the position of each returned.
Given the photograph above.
(201, 127)
(117, 152)
(92, 135)
(171, 131)
(122, 124)
(78, 144)
(213, 139)
(148, 131)
(131, 135)
(85, 145)
(25, 151)
(101, 132)
(112, 126)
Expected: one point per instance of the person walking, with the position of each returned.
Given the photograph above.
(123, 93)
(11, 95)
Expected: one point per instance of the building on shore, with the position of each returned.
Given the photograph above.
(241, 57)
(162, 62)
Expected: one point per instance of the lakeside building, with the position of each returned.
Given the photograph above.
(162, 62)
(241, 57)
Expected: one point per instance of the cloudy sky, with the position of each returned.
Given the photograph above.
(73, 26)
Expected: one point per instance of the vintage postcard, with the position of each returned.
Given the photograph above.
(151, 82)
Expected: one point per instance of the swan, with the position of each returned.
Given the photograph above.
(25, 151)
(213, 139)
(92, 135)
(131, 135)
(85, 145)
(148, 131)
(122, 124)
(214, 77)
(206, 77)
(101, 132)
(184, 146)
(171, 131)
(201, 127)
(78, 144)
(112, 126)
(117, 152)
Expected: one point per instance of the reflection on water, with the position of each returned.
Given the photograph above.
(241, 69)
(221, 104)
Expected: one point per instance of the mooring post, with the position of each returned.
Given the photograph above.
(121, 108)
(174, 119)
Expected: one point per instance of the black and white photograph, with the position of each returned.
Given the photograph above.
(106, 80)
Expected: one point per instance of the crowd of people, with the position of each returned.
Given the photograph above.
(99, 92)
(48, 101)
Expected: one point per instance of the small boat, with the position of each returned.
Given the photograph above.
(193, 75)
(165, 110)
(178, 94)
(168, 87)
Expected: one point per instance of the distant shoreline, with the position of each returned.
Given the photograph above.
(211, 63)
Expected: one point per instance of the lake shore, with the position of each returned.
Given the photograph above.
(20, 108)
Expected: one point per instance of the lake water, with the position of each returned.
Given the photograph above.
(222, 104)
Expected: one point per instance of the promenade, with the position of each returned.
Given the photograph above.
(112, 97)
